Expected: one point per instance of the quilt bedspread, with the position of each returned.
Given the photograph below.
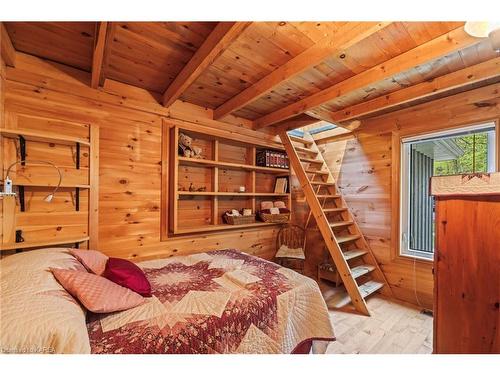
(223, 301)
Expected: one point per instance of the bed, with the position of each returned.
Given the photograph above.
(222, 301)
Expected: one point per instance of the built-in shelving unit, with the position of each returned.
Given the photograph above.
(202, 189)
(40, 136)
(225, 194)
(58, 241)
(47, 144)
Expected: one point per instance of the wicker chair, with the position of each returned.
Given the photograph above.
(290, 248)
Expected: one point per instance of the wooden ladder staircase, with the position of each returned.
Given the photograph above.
(354, 263)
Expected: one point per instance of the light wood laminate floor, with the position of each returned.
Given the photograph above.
(394, 327)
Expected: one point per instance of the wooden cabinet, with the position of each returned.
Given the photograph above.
(467, 264)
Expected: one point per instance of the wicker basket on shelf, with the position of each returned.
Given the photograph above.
(275, 218)
(239, 220)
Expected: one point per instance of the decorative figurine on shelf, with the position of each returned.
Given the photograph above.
(186, 147)
(202, 188)
(191, 187)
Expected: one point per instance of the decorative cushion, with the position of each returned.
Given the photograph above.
(286, 252)
(97, 293)
(128, 275)
(93, 260)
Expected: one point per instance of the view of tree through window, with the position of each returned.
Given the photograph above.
(468, 150)
(474, 158)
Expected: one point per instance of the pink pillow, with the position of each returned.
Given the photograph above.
(96, 293)
(93, 260)
(128, 275)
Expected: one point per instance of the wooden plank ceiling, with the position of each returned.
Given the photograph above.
(272, 72)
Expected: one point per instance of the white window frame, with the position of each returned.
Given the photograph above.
(404, 189)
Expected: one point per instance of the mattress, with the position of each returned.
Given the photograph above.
(223, 301)
(218, 302)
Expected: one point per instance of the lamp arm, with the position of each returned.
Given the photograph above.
(38, 162)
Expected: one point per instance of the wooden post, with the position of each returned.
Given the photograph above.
(9, 219)
(94, 188)
(174, 177)
(215, 184)
(165, 164)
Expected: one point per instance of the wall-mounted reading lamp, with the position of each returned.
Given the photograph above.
(10, 235)
(7, 187)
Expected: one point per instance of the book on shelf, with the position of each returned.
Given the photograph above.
(272, 159)
(281, 185)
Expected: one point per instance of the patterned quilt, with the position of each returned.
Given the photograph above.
(218, 302)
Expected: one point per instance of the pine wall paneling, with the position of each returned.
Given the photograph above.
(367, 168)
(130, 155)
(130, 164)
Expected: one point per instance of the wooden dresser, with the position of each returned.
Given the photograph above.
(467, 263)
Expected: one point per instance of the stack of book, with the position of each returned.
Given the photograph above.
(272, 159)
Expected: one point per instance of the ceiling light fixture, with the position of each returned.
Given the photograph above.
(485, 30)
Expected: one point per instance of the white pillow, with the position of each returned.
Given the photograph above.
(36, 314)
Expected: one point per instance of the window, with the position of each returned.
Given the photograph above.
(465, 150)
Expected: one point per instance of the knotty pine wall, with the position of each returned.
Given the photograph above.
(129, 121)
(130, 165)
(367, 170)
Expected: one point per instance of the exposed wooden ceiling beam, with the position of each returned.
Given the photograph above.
(473, 74)
(454, 40)
(343, 38)
(216, 43)
(294, 123)
(8, 51)
(98, 56)
(321, 114)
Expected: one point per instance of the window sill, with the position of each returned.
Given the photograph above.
(412, 258)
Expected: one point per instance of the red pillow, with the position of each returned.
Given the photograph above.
(128, 275)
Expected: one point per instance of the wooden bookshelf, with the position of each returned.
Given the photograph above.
(236, 166)
(72, 216)
(228, 194)
(224, 167)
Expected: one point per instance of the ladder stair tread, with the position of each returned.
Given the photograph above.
(300, 140)
(306, 150)
(338, 224)
(335, 209)
(328, 196)
(317, 172)
(352, 237)
(309, 160)
(354, 253)
(361, 270)
(321, 183)
(341, 298)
